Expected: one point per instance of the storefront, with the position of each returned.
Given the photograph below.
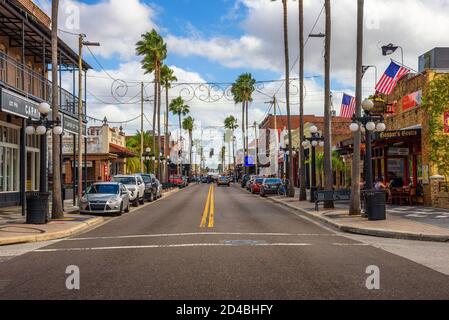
(397, 157)
(19, 154)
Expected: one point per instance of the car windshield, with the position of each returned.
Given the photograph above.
(146, 179)
(125, 180)
(272, 181)
(223, 178)
(103, 189)
(259, 180)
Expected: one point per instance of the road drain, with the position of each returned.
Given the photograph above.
(242, 242)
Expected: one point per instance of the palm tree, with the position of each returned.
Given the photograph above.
(231, 123)
(302, 165)
(167, 78)
(355, 208)
(178, 108)
(188, 124)
(291, 188)
(133, 144)
(154, 50)
(242, 90)
(57, 208)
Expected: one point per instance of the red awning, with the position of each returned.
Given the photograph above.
(122, 151)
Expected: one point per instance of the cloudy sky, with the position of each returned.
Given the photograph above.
(216, 40)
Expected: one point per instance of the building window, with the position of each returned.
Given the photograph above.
(9, 159)
(2, 64)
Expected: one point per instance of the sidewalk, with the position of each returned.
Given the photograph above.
(413, 223)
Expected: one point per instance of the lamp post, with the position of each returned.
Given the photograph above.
(146, 157)
(40, 127)
(390, 49)
(369, 123)
(315, 140)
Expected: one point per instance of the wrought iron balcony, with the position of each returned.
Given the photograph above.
(33, 85)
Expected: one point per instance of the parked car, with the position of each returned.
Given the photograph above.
(251, 180)
(255, 186)
(270, 186)
(153, 188)
(135, 186)
(105, 197)
(178, 181)
(245, 179)
(223, 181)
(204, 179)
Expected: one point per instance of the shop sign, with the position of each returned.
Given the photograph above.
(398, 151)
(412, 100)
(19, 106)
(106, 171)
(71, 125)
(89, 164)
(399, 134)
(446, 122)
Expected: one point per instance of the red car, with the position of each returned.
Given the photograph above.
(255, 186)
(178, 181)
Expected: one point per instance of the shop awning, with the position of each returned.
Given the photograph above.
(121, 151)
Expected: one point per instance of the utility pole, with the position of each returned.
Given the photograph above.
(354, 208)
(302, 158)
(141, 128)
(81, 43)
(328, 176)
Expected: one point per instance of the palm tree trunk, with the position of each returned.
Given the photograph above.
(154, 118)
(354, 208)
(302, 165)
(291, 188)
(328, 175)
(166, 142)
(57, 209)
(247, 128)
(180, 144)
(158, 121)
(243, 136)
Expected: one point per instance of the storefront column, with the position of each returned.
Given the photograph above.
(22, 167)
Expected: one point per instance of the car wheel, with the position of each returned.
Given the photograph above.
(121, 209)
(127, 208)
(136, 203)
(142, 200)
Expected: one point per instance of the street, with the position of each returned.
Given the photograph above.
(207, 242)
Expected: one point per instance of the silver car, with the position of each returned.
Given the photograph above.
(105, 197)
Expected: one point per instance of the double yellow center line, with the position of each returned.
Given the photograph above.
(209, 209)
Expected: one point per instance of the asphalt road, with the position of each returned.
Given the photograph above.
(220, 243)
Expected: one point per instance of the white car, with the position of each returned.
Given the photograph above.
(135, 186)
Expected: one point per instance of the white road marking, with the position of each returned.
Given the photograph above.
(176, 246)
(351, 244)
(206, 234)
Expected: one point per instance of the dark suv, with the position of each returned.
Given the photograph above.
(151, 186)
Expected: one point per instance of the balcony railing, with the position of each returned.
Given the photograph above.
(20, 78)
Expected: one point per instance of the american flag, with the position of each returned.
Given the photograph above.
(390, 78)
(347, 106)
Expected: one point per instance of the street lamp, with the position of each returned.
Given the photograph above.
(37, 213)
(315, 140)
(370, 123)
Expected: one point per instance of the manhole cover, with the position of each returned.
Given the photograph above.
(242, 242)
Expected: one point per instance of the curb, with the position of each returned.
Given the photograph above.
(369, 232)
(53, 235)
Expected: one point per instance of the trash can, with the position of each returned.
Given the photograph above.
(375, 205)
(38, 208)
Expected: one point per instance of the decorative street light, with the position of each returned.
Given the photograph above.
(369, 123)
(38, 211)
(315, 140)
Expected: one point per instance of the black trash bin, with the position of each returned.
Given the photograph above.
(38, 208)
(375, 205)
